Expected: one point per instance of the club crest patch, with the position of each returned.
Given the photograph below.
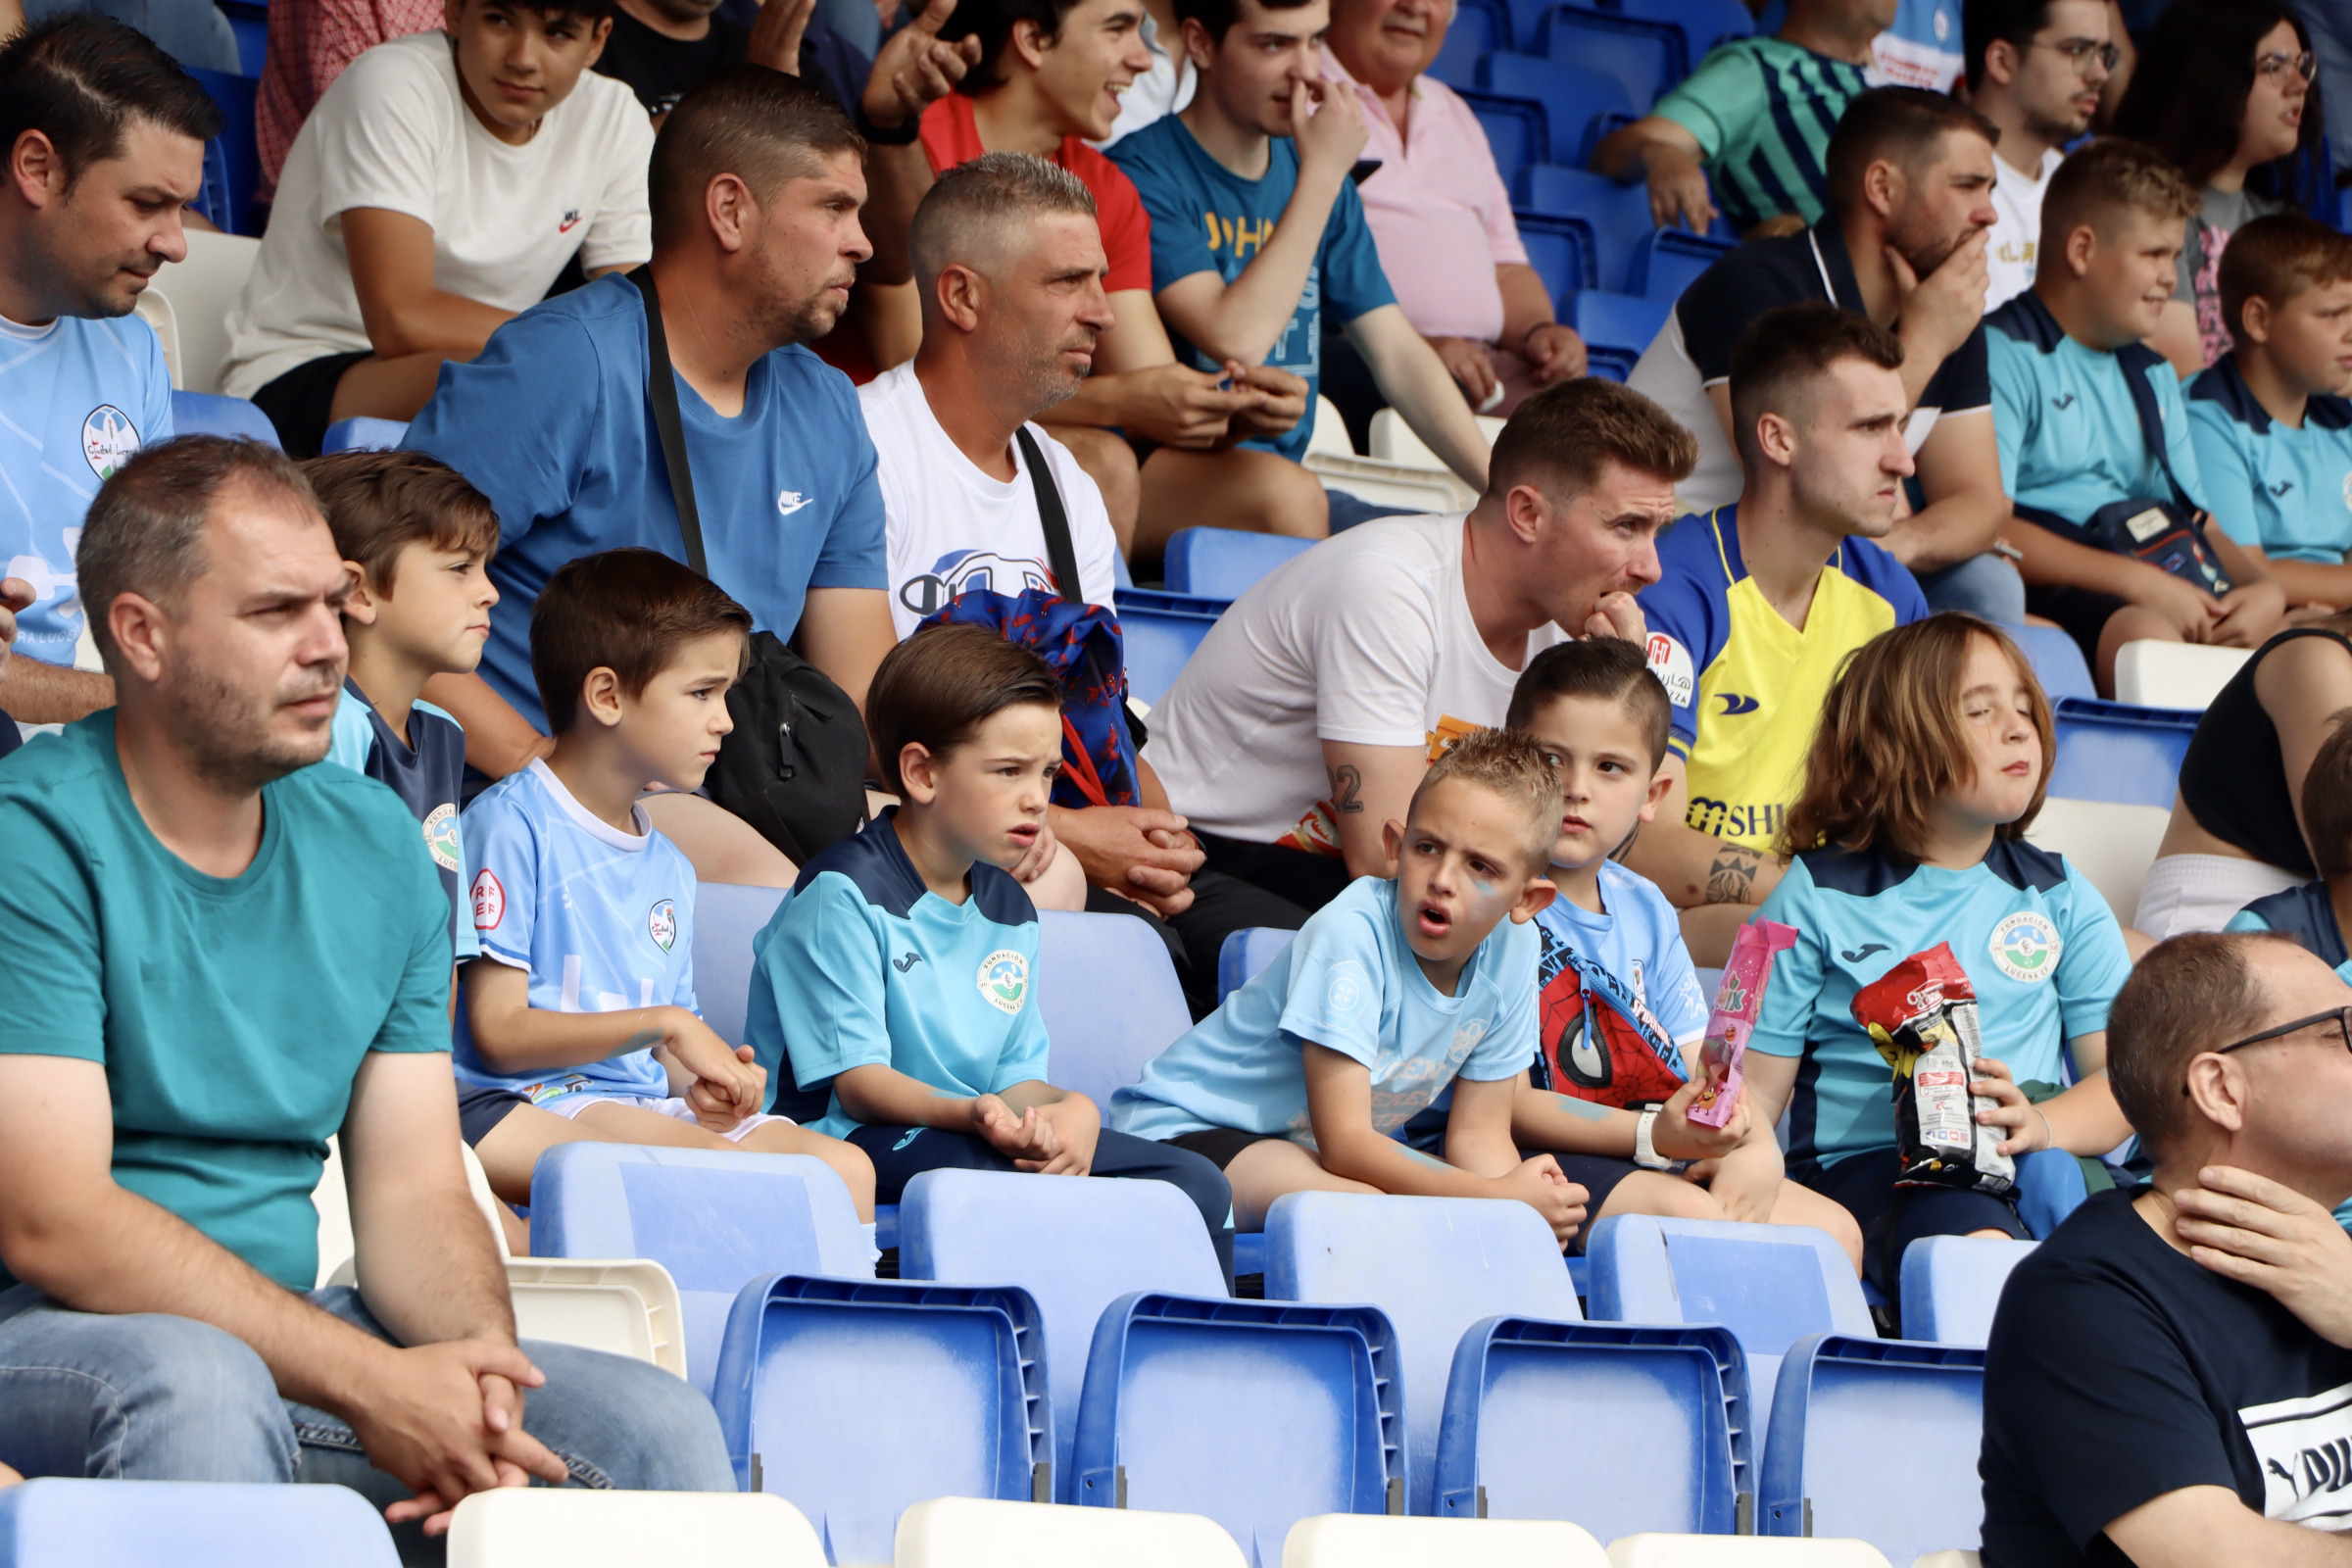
(1004, 980)
(441, 835)
(109, 440)
(661, 924)
(2025, 946)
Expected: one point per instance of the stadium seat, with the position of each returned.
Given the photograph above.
(1643, 57)
(1159, 632)
(59, 1523)
(1244, 953)
(232, 160)
(1610, 365)
(156, 310)
(715, 1220)
(1845, 1414)
(365, 434)
(1225, 563)
(854, 1400)
(1518, 132)
(2057, 660)
(2112, 845)
(1330, 434)
(1255, 1413)
(977, 1533)
(1951, 1285)
(1771, 1285)
(1560, 250)
(623, 1306)
(1401, 486)
(1625, 321)
(1743, 1551)
(1435, 1266)
(1075, 1247)
(1357, 1540)
(1949, 1559)
(726, 917)
(2191, 675)
(1667, 261)
(2115, 752)
(1393, 441)
(1574, 99)
(209, 414)
(1469, 35)
(2049, 1187)
(202, 288)
(1704, 24)
(1108, 993)
(580, 1527)
(1617, 216)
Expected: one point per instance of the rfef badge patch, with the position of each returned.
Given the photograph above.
(1004, 980)
(2025, 946)
(661, 924)
(489, 901)
(441, 835)
(1346, 989)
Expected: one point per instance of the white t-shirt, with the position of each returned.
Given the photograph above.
(1159, 91)
(393, 132)
(1366, 638)
(952, 528)
(2017, 231)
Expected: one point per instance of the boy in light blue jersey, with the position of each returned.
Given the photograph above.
(1304, 1078)
(900, 975)
(2273, 431)
(582, 1001)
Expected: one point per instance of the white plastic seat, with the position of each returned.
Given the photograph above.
(1372, 1541)
(1736, 1551)
(1949, 1559)
(156, 310)
(2153, 674)
(1389, 484)
(1330, 434)
(569, 1527)
(980, 1533)
(201, 290)
(2111, 843)
(1393, 440)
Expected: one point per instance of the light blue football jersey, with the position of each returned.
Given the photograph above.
(2287, 492)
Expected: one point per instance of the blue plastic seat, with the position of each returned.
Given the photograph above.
(1703, 23)
(1108, 993)
(1617, 215)
(1225, 563)
(2115, 752)
(1255, 1413)
(1518, 131)
(1610, 365)
(715, 1219)
(363, 434)
(1667, 261)
(1470, 34)
(1159, 632)
(1771, 1285)
(1574, 98)
(249, 23)
(59, 1523)
(232, 160)
(1620, 1427)
(1877, 1440)
(1951, 1285)
(2057, 658)
(1560, 250)
(1645, 56)
(210, 413)
(2049, 1187)
(726, 917)
(854, 1400)
(1246, 953)
(1625, 322)
(1075, 1247)
(1435, 1266)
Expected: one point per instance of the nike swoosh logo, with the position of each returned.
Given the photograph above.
(1863, 952)
(568, 225)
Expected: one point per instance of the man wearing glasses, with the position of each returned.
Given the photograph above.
(2036, 69)
(2170, 1376)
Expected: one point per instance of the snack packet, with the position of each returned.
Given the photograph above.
(1738, 1003)
(1922, 1015)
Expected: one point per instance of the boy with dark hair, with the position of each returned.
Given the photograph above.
(2319, 913)
(438, 189)
(582, 1001)
(1392, 993)
(2271, 427)
(2076, 392)
(900, 971)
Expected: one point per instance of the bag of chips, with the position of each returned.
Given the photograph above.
(1922, 1015)
(1739, 1002)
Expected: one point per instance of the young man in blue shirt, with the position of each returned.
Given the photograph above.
(1256, 230)
(2271, 427)
(104, 139)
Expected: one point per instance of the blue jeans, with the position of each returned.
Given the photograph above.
(147, 1396)
(1984, 586)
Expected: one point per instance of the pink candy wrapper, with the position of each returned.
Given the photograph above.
(1736, 1004)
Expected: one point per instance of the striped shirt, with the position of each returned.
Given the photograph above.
(1762, 110)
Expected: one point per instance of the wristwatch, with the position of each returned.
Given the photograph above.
(1646, 1152)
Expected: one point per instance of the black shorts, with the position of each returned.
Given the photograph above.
(2080, 612)
(301, 403)
(1893, 1218)
(1219, 1144)
(480, 1110)
(1309, 881)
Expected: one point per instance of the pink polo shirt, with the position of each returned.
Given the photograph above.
(1436, 201)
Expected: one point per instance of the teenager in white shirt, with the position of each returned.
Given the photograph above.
(438, 189)
(2036, 69)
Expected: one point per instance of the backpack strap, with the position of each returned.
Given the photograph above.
(1061, 553)
(2135, 359)
(662, 387)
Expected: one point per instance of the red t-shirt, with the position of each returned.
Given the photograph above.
(951, 136)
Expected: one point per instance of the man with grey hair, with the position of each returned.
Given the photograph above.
(1009, 266)
(2169, 1381)
(241, 955)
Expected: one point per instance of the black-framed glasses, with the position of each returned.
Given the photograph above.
(2082, 51)
(2341, 1018)
(2304, 65)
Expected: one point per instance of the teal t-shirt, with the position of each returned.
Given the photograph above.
(2287, 492)
(1762, 110)
(232, 1013)
(2040, 947)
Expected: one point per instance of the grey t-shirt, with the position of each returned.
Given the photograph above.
(2200, 278)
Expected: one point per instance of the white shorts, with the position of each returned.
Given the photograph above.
(571, 1105)
(2188, 893)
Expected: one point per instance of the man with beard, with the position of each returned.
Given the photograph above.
(104, 139)
(758, 181)
(241, 953)
(2036, 69)
(1910, 178)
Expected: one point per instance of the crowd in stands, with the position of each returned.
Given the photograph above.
(791, 393)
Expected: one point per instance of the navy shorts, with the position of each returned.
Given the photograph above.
(1893, 1218)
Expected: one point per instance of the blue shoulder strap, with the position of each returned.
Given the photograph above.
(2135, 361)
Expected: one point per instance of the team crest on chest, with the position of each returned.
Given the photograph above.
(109, 440)
(1004, 980)
(661, 924)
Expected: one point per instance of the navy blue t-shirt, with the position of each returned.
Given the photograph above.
(552, 422)
(427, 769)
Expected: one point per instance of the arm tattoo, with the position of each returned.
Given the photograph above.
(1347, 789)
(1733, 874)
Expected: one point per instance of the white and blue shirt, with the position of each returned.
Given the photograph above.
(78, 398)
(865, 965)
(1921, 48)
(1348, 981)
(2287, 492)
(2040, 944)
(427, 769)
(602, 920)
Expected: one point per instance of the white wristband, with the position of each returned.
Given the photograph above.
(1646, 1152)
